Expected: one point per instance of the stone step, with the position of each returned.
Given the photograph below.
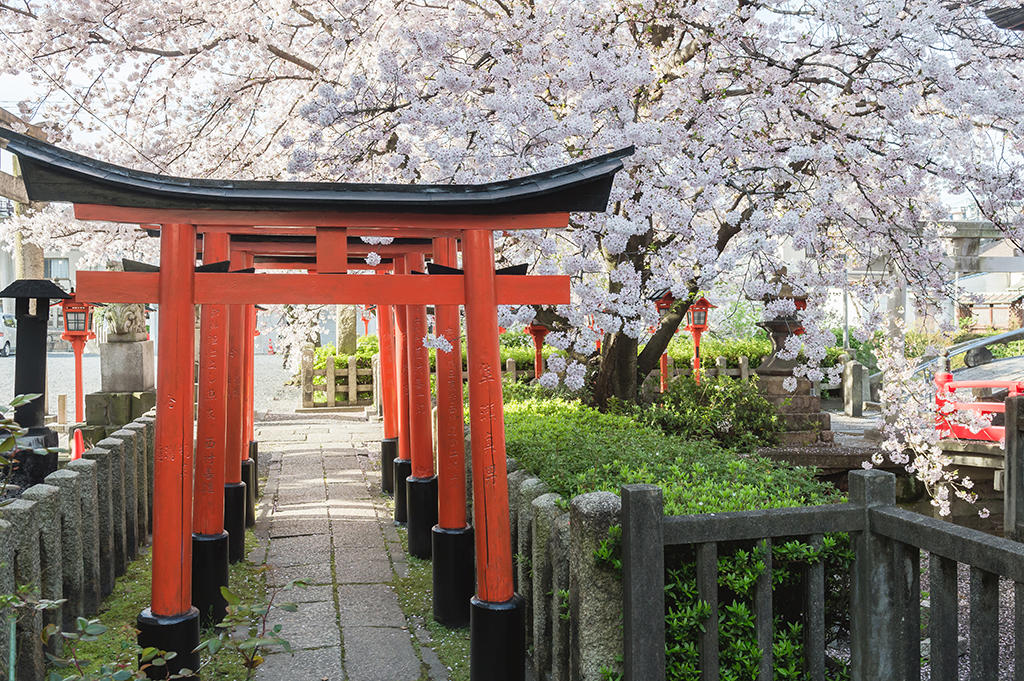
(799, 438)
(795, 404)
(772, 385)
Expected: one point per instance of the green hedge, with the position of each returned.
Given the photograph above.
(576, 449)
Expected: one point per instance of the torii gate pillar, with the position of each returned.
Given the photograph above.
(389, 445)
(403, 464)
(497, 637)
(171, 622)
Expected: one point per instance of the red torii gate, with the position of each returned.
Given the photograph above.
(331, 213)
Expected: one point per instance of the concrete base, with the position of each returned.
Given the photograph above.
(127, 367)
(234, 519)
(178, 635)
(453, 575)
(209, 574)
(497, 643)
(421, 499)
(249, 478)
(388, 453)
(403, 469)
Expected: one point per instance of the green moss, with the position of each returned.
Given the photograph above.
(415, 594)
(132, 594)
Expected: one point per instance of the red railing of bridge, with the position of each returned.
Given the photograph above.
(946, 406)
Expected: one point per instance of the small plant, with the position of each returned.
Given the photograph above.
(10, 431)
(563, 605)
(608, 553)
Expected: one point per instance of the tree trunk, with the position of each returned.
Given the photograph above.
(617, 376)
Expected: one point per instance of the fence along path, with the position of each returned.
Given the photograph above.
(885, 602)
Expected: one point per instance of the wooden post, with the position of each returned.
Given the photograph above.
(510, 368)
(403, 464)
(721, 366)
(496, 623)
(62, 408)
(235, 496)
(209, 540)
(452, 538)
(744, 368)
(1013, 482)
(643, 582)
(171, 623)
(421, 491)
(353, 382)
(389, 397)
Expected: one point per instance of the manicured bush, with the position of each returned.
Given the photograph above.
(577, 449)
(726, 410)
(755, 349)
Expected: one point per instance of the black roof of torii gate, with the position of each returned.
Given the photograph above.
(54, 174)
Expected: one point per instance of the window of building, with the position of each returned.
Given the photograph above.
(56, 268)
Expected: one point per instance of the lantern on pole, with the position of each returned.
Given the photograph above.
(538, 331)
(77, 330)
(698, 316)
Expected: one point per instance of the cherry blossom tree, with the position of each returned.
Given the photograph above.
(761, 127)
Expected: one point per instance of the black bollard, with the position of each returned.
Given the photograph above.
(249, 478)
(453, 575)
(178, 634)
(421, 499)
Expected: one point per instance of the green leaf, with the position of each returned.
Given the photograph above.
(229, 596)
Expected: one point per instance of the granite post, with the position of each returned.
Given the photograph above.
(51, 561)
(89, 506)
(105, 516)
(595, 591)
(73, 570)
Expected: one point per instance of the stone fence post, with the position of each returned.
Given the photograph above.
(1013, 482)
(73, 569)
(104, 517)
(595, 591)
(115, 449)
(88, 512)
(47, 511)
(853, 388)
(130, 452)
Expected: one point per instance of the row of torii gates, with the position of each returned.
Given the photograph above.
(237, 228)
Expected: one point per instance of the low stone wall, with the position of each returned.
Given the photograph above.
(573, 602)
(72, 536)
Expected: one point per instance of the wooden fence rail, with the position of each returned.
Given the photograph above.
(885, 601)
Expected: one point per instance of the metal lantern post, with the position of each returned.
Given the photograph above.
(538, 331)
(698, 316)
(77, 330)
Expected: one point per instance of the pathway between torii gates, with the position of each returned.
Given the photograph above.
(322, 520)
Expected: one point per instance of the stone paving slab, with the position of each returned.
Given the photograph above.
(322, 523)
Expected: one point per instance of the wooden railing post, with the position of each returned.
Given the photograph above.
(510, 369)
(874, 630)
(353, 381)
(744, 368)
(643, 581)
(1013, 480)
(722, 366)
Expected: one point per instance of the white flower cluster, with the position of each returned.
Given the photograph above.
(437, 342)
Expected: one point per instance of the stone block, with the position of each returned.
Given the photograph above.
(818, 421)
(108, 409)
(544, 511)
(21, 514)
(773, 385)
(853, 389)
(142, 402)
(149, 420)
(595, 591)
(105, 515)
(530, 489)
(142, 454)
(73, 570)
(515, 479)
(127, 367)
(117, 500)
(88, 502)
(51, 554)
(560, 643)
(131, 495)
(795, 404)
(7, 584)
(798, 438)
(93, 434)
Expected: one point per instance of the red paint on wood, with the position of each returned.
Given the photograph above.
(211, 430)
(339, 289)
(386, 336)
(421, 441)
(401, 371)
(236, 429)
(248, 387)
(409, 222)
(331, 250)
(487, 422)
(172, 493)
(451, 469)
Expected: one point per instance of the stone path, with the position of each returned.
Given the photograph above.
(322, 520)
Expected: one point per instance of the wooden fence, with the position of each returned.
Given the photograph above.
(341, 386)
(885, 602)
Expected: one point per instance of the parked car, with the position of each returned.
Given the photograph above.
(8, 335)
